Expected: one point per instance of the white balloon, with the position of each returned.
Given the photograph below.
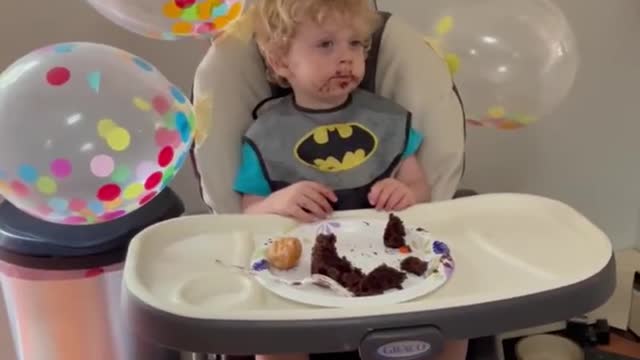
(514, 61)
(89, 133)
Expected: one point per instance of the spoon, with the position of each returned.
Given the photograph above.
(314, 279)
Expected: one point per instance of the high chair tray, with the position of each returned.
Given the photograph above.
(520, 261)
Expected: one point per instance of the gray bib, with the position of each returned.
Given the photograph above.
(347, 148)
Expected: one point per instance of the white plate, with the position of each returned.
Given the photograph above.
(360, 241)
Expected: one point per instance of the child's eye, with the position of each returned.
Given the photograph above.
(357, 43)
(326, 44)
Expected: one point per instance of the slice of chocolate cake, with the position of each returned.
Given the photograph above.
(326, 261)
(381, 279)
(394, 233)
(414, 265)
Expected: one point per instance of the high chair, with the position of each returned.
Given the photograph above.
(515, 254)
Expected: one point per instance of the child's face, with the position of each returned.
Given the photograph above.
(325, 62)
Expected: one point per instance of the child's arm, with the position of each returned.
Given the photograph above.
(411, 173)
(304, 201)
(249, 202)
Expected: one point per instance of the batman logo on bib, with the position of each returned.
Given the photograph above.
(337, 147)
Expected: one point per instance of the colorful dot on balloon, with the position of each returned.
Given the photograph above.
(43, 210)
(165, 156)
(142, 64)
(61, 168)
(182, 124)
(184, 4)
(113, 215)
(190, 14)
(204, 10)
(444, 25)
(204, 28)
(108, 192)
(220, 10)
(160, 104)
(86, 213)
(133, 191)
(75, 220)
(221, 22)
(27, 173)
(141, 104)
(19, 189)
(104, 126)
(46, 185)
(4, 188)
(177, 94)
(168, 175)
(63, 48)
(524, 119)
(59, 204)
(147, 198)
(58, 76)
(170, 122)
(113, 205)
(182, 28)
(96, 207)
(118, 139)
(496, 112)
(235, 11)
(102, 165)
(192, 120)
(171, 10)
(121, 174)
(453, 63)
(94, 79)
(165, 137)
(153, 180)
(77, 205)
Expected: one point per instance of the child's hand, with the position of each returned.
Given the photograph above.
(304, 201)
(391, 195)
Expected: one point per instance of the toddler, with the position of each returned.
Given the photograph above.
(328, 145)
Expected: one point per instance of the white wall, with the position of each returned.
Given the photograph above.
(587, 153)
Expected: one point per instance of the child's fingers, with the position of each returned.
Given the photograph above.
(299, 214)
(325, 191)
(385, 193)
(319, 200)
(395, 201)
(313, 207)
(374, 194)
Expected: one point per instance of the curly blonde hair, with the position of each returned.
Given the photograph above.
(275, 23)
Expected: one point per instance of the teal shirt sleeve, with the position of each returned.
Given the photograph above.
(413, 143)
(250, 179)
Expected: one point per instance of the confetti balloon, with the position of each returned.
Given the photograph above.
(513, 61)
(171, 19)
(89, 133)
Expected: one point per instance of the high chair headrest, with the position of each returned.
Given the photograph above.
(231, 80)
